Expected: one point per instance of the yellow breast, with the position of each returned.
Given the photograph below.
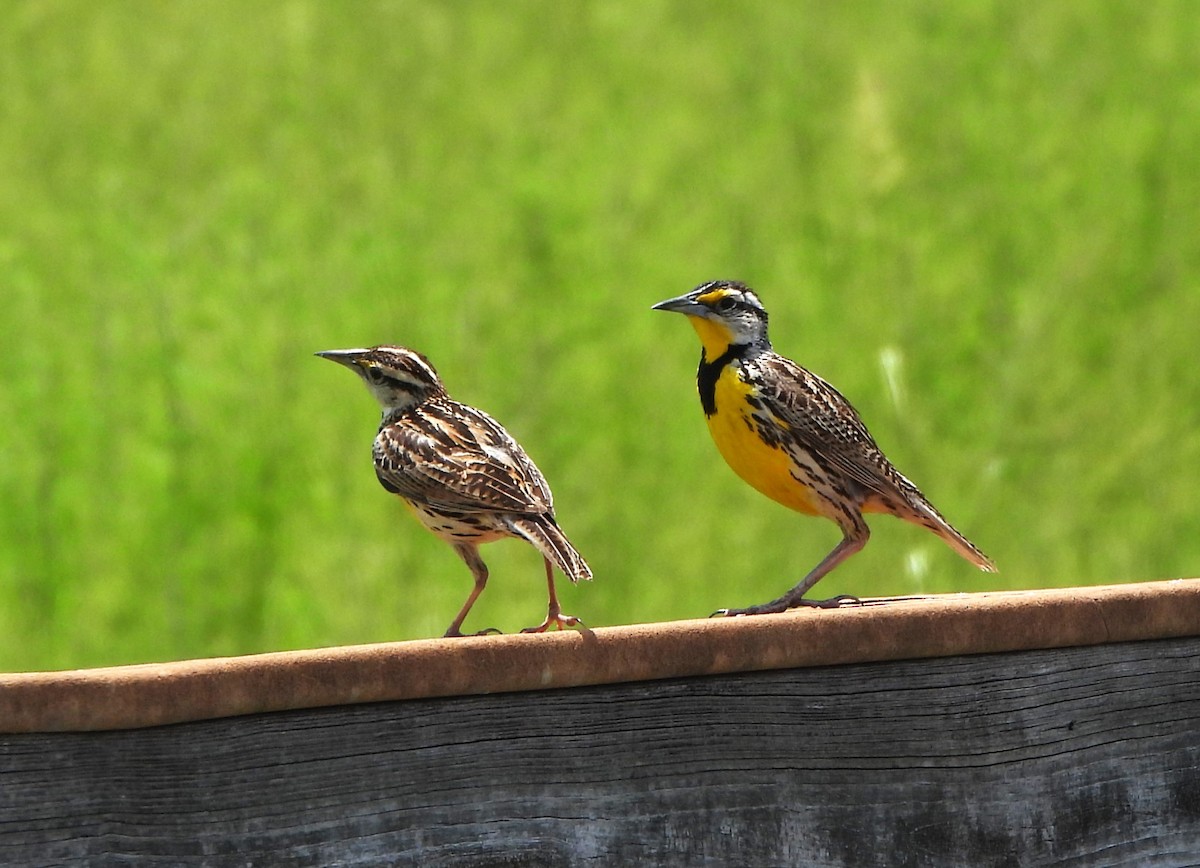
(735, 431)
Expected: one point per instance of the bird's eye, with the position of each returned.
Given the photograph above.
(375, 375)
(726, 304)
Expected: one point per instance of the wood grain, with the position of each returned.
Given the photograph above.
(1073, 756)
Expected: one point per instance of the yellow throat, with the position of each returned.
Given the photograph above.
(715, 336)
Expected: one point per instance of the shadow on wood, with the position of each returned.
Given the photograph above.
(1042, 754)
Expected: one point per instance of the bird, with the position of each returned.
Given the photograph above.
(463, 476)
(793, 437)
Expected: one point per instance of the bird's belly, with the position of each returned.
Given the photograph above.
(454, 526)
(766, 465)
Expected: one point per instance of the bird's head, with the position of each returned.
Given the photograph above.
(724, 313)
(398, 378)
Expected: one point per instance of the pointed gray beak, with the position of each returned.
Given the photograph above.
(349, 358)
(682, 304)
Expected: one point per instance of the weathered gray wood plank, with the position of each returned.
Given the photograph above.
(1085, 756)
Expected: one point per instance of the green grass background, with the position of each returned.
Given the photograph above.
(979, 220)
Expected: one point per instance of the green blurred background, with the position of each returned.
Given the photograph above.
(979, 220)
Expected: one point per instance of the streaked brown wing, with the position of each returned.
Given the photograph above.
(451, 455)
(822, 421)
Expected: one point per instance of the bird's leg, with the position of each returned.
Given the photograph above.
(554, 613)
(855, 538)
(479, 570)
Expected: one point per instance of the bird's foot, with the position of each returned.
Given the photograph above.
(452, 633)
(558, 620)
(784, 603)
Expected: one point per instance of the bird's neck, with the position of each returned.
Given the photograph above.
(717, 337)
(714, 336)
(394, 411)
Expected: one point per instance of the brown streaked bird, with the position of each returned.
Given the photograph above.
(460, 472)
(794, 437)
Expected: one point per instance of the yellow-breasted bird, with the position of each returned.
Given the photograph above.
(462, 474)
(794, 437)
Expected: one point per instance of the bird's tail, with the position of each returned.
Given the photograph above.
(922, 512)
(553, 543)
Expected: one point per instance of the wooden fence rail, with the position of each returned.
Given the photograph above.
(1053, 727)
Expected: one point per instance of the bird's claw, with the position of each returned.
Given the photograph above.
(782, 605)
(458, 634)
(832, 602)
(765, 609)
(559, 620)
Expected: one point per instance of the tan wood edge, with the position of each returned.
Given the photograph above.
(127, 697)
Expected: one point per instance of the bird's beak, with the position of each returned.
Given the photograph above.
(684, 304)
(349, 358)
